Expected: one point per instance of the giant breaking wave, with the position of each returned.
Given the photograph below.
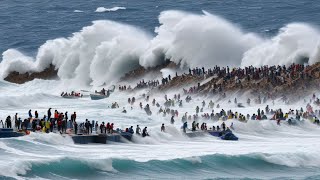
(106, 50)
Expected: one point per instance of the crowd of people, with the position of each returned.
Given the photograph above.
(60, 122)
(124, 88)
(103, 92)
(253, 73)
(138, 131)
(149, 84)
(7, 123)
(72, 94)
(204, 111)
(275, 75)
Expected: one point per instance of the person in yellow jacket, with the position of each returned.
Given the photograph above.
(286, 116)
(44, 129)
(47, 126)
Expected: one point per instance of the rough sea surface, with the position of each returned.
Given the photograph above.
(31, 30)
(27, 25)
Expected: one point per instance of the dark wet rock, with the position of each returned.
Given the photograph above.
(47, 74)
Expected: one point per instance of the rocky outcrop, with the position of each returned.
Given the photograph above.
(291, 87)
(141, 71)
(295, 87)
(16, 77)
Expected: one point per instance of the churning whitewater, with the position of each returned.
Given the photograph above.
(270, 150)
(174, 82)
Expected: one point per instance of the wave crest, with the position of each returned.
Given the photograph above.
(265, 165)
(103, 52)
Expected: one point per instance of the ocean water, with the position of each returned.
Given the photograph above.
(27, 25)
(96, 42)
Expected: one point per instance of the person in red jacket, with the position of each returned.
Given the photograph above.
(107, 128)
(56, 115)
(59, 125)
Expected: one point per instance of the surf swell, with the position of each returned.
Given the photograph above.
(211, 166)
(52, 156)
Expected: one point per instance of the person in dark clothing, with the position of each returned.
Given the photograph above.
(16, 121)
(66, 116)
(172, 120)
(34, 125)
(30, 114)
(36, 115)
(49, 113)
(163, 128)
(73, 117)
(223, 126)
(185, 126)
(19, 123)
(87, 126)
(25, 124)
(91, 126)
(64, 126)
(138, 130)
(145, 132)
(8, 122)
(96, 126)
(1, 124)
(51, 125)
(102, 127)
(75, 127)
(130, 130)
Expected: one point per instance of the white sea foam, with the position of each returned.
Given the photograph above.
(99, 53)
(103, 9)
(77, 11)
(197, 40)
(295, 43)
